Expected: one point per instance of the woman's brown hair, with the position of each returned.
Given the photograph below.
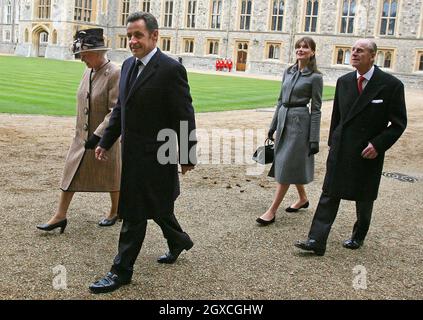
(312, 64)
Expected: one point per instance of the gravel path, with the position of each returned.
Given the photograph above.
(233, 258)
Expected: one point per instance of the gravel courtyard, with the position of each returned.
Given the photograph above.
(233, 258)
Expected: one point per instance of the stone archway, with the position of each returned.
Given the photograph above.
(40, 36)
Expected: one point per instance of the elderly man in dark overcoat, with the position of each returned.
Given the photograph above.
(154, 100)
(368, 117)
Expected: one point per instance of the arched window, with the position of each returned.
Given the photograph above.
(165, 44)
(9, 12)
(380, 58)
(388, 58)
(343, 55)
(274, 50)
(54, 37)
(347, 58)
(340, 58)
(44, 37)
(213, 47)
(189, 46)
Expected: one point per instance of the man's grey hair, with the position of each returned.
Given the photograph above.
(149, 19)
(372, 46)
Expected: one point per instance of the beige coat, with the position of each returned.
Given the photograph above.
(82, 171)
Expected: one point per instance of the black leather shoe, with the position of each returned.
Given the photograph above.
(352, 244)
(107, 222)
(265, 222)
(172, 255)
(109, 283)
(290, 209)
(311, 245)
(48, 227)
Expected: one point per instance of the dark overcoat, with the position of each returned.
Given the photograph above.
(377, 116)
(159, 99)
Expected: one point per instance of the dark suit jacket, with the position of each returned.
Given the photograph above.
(159, 99)
(378, 116)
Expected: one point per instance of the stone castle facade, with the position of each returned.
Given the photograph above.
(258, 35)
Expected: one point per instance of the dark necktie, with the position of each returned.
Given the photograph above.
(134, 73)
(360, 84)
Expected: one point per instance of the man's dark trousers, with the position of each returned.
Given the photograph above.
(325, 215)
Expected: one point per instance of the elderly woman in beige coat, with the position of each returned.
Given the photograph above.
(97, 95)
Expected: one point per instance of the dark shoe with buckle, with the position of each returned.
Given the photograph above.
(265, 222)
(48, 227)
(108, 222)
(109, 283)
(352, 244)
(311, 245)
(290, 209)
(172, 255)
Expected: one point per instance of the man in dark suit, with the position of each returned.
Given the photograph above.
(154, 97)
(368, 117)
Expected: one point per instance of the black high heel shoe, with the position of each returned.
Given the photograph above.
(48, 227)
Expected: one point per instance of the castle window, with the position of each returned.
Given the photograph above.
(165, 44)
(123, 42)
(146, 6)
(191, 9)
(43, 9)
(9, 12)
(216, 14)
(168, 14)
(83, 10)
(343, 55)
(277, 15)
(245, 17)
(213, 46)
(384, 58)
(273, 51)
(388, 19)
(54, 37)
(189, 45)
(347, 16)
(124, 12)
(312, 11)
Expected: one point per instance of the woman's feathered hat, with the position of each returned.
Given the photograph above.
(88, 40)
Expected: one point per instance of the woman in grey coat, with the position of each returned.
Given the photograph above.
(297, 128)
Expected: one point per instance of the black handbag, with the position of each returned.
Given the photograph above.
(265, 154)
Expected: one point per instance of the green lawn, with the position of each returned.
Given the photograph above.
(43, 86)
